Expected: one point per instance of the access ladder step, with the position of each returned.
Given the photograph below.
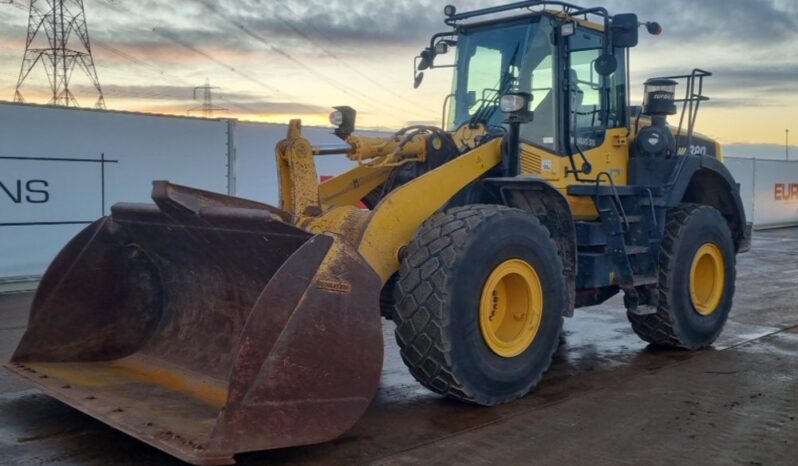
(643, 310)
(603, 190)
(593, 234)
(629, 218)
(643, 280)
(636, 250)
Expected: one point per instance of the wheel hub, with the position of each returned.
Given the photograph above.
(511, 308)
(707, 279)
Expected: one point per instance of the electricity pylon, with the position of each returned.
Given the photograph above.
(207, 107)
(58, 38)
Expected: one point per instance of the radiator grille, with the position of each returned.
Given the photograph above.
(530, 163)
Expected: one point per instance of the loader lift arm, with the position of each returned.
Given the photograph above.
(378, 235)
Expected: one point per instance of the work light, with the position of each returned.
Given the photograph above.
(568, 29)
(514, 102)
(336, 118)
(343, 118)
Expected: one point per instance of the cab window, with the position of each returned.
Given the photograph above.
(592, 108)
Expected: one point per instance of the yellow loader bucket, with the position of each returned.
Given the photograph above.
(207, 325)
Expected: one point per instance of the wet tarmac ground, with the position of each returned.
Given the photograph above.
(608, 398)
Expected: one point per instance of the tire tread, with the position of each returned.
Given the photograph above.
(422, 320)
(661, 328)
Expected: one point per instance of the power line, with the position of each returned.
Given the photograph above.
(174, 37)
(163, 74)
(19, 5)
(189, 46)
(254, 35)
(326, 79)
(122, 54)
(329, 53)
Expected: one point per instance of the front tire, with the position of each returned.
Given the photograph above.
(480, 303)
(696, 280)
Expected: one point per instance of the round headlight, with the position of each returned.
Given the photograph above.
(511, 103)
(337, 118)
(449, 10)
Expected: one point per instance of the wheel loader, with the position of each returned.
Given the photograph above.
(207, 325)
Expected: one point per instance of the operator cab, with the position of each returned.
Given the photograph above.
(524, 56)
(569, 63)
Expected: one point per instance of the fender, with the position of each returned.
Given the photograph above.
(541, 199)
(706, 180)
(398, 216)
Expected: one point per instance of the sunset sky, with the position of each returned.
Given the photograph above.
(277, 59)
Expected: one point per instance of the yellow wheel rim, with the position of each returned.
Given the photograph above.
(707, 279)
(511, 308)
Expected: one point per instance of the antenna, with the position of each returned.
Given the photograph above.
(64, 37)
(207, 107)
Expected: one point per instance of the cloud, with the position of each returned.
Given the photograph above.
(759, 151)
(343, 26)
(366, 23)
(759, 77)
(731, 102)
(155, 92)
(745, 84)
(242, 110)
(730, 22)
(274, 108)
(184, 95)
(307, 26)
(253, 45)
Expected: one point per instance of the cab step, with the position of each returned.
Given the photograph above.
(636, 250)
(643, 280)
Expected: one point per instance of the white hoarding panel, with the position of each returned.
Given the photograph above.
(62, 168)
(743, 172)
(775, 194)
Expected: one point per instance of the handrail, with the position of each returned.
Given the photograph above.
(694, 95)
(452, 20)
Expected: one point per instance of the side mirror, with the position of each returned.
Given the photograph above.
(624, 29)
(418, 79)
(426, 58)
(441, 48)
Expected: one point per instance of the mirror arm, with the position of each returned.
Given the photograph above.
(440, 35)
(600, 11)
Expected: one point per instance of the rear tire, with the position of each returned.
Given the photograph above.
(452, 337)
(696, 280)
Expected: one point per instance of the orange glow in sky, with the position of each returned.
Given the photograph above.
(273, 60)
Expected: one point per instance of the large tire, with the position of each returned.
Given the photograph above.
(696, 237)
(374, 197)
(441, 301)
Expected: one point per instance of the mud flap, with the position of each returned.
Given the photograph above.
(206, 326)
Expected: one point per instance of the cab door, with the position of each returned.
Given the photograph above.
(581, 112)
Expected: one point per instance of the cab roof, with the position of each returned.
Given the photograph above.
(594, 18)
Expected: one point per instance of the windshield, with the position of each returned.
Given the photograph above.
(493, 60)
